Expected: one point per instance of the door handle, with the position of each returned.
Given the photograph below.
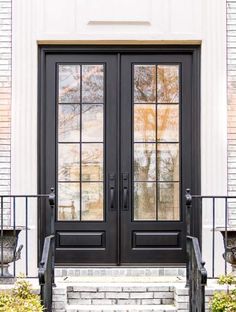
(125, 185)
(112, 185)
(125, 199)
(112, 198)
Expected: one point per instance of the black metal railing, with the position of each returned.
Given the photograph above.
(216, 224)
(196, 272)
(46, 278)
(197, 276)
(18, 218)
(47, 263)
(218, 211)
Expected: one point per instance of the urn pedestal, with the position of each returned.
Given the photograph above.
(230, 246)
(9, 252)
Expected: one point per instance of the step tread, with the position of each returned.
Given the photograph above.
(127, 308)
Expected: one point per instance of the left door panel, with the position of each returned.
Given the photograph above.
(79, 155)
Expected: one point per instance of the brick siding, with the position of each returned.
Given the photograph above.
(5, 101)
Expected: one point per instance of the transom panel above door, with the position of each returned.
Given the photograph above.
(116, 141)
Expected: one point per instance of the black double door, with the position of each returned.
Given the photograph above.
(116, 141)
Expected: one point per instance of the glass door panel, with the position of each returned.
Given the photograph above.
(155, 156)
(80, 142)
(156, 142)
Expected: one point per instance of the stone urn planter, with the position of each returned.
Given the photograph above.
(230, 247)
(8, 244)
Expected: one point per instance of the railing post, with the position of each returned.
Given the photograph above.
(52, 205)
(188, 203)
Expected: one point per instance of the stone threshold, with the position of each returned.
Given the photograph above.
(120, 271)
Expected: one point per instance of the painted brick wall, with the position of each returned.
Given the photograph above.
(5, 100)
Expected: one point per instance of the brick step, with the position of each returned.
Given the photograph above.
(107, 294)
(121, 308)
(134, 294)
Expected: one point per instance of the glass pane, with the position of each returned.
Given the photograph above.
(92, 123)
(168, 83)
(144, 201)
(168, 162)
(92, 83)
(68, 162)
(92, 162)
(68, 201)
(168, 123)
(144, 123)
(69, 123)
(144, 162)
(69, 83)
(144, 83)
(92, 201)
(168, 201)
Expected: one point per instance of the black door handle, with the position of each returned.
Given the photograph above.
(112, 186)
(112, 198)
(125, 185)
(125, 198)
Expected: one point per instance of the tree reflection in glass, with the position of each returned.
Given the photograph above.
(168, 201)
(144, 162)
(68, 201)
(92, 162)
(68, 162)
(69, 83)
(92, 201)
(69, 123)
(145, 201)
(168, 123)
(168, 83)
(144, 123)
(92, 84)
(168, 162)
(156, 125)
(144, 84)
(80, 156)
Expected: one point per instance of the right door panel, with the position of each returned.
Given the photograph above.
(156, 93)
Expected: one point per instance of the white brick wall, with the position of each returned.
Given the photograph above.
(231, 83)
(5, 101)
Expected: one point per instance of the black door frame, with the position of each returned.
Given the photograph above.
(194, 119)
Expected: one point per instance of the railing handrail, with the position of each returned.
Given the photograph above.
(43, 265)
(213, 196)
(45, 273)
(25, 195)
(197, 276)
(196, 272)
(198, 257)
(46, 265)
